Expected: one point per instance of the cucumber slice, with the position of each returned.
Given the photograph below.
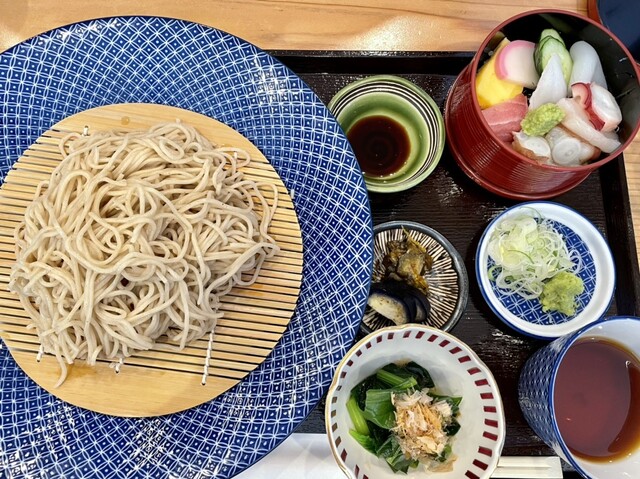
(550, 32)
(548, 47)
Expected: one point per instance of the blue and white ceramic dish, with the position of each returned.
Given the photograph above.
(597, 272)
(191, 66)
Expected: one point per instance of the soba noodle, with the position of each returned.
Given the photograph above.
(131, 243)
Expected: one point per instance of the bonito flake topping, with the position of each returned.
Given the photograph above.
(420, 425)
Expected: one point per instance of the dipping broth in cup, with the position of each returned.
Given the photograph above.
(581, 395)
(597, 399)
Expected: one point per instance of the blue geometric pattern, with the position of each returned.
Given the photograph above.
(536, 391)
(191, 66)
(530, 310)
(588, 250)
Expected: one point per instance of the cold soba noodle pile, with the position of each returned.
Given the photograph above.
(133, 241)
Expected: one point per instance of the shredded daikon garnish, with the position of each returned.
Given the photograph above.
(528, 251)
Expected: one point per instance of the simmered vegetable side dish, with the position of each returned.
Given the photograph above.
(399, 290)
(550, 102)
(399, 416)
(531, 259)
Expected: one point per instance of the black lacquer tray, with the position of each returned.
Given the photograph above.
(455, 206)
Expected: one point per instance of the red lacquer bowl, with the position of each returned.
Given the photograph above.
(492, 163)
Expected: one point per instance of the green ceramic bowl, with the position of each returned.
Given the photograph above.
(409, 107)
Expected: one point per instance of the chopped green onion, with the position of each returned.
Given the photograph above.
(527, 252)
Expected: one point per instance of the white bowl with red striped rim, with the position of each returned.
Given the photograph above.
(456, 370)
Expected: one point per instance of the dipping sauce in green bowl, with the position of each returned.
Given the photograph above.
(395, 129)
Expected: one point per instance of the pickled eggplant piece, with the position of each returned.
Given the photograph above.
(391, 307)
(399, 302)
(422, 305)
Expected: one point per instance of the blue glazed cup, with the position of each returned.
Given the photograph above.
(536, 392)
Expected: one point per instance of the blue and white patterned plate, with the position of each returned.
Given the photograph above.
(191, 66)
(597, 272)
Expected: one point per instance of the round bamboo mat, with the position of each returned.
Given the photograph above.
(154, 383)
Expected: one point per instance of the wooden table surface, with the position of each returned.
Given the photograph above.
(367, 25)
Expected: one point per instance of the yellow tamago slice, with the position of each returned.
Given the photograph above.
(490, 89)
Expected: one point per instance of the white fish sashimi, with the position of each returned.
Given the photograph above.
(551, 86)
(598, 76)
(586, 65)
(577, 121)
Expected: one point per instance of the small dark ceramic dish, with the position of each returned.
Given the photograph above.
(448, 281)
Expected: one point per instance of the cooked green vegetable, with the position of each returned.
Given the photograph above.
(365, 440)
(379, 408)
(540, 121)
(392, 452)
(454, 402)
(357, 416)
(560, 292)
(410, 370)
(405, 421)
(395, 380)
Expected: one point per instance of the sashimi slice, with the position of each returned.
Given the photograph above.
(586, 65)
(504, 118)
(577, 121)
(551, 86)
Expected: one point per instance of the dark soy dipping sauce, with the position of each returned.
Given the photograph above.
(597, 400)
(380, 143)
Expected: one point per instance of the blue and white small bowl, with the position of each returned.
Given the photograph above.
(597, 273)
(537, 386)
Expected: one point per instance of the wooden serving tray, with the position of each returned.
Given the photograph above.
(155, 382)
(449, 202)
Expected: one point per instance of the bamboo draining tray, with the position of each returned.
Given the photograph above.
(154, 382)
